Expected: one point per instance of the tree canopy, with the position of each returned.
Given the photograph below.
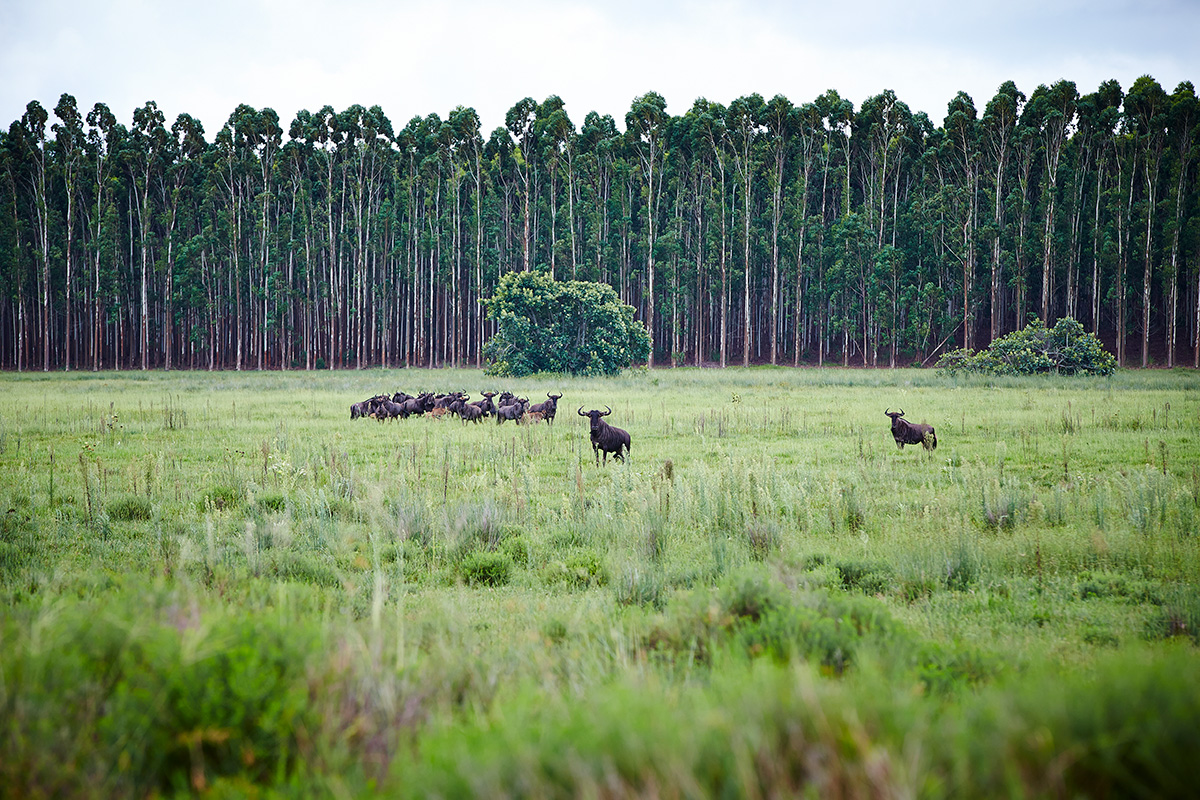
(576, 327)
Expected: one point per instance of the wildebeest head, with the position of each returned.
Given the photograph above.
(594, 415)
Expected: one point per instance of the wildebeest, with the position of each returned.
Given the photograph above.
(486, 405)
(547, 409)
(605, 437)
(514, 411)
(905, 432)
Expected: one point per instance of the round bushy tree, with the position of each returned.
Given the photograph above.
(576, 327)
(1066, 349)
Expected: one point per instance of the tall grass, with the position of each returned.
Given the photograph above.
(441, 592)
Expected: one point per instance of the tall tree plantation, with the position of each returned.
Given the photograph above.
(758, 232)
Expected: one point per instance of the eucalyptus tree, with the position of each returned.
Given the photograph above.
(1053, 109)
(70, 153)
(963, 154)
(1099, 113)
(144, 160)
(366, 136)
(646, 124)
(744, 121)
(297, 159)
(520, 121)
(1183, 128)
(595, 146)
(780, 118)
(186, 148)
(103, 144)
(1147, 109)
(264, 137)
(469, 153)
(500, 156)
(810, 143)
(556, 135)
(999, 130)
(712, 138)
(837, 116)
(29, 136)
(11, 257)
(880, 130)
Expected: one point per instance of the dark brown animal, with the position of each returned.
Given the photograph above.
(905, 432)
(606, 438)
(549, 408)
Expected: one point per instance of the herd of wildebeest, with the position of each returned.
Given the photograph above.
(504, 406)
(507, 407)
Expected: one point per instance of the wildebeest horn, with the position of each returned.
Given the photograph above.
(580, 412)
(888, 411)
(606, 413)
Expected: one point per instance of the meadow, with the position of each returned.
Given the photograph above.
(218, 583)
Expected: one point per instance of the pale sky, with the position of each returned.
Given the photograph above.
(204, 57)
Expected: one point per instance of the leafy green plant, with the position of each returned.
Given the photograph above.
(485, 568)
(573, 327)
(220, 498)
(128, 508)
(872, 577)
(1064, 349)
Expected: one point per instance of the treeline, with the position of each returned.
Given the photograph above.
(758, 232)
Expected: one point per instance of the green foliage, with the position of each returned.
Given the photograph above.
(129, 508)
(573, 327)
(162, 705)
(220, 498)
(1064, 349)
(272, 502)
(580, 570)
(485, 568)
(872, 577)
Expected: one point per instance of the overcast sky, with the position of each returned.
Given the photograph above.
(204, 57)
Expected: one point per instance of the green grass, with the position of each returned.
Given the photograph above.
(768, 597)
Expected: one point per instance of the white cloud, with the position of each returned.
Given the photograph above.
(416, 58)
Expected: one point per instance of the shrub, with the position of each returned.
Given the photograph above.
(272, 503)
(640, 587)
(486, 568)
(872, 577)
(220, 498)
(1064, 349)
(130, 508)
(1178, 616)
(581, 570)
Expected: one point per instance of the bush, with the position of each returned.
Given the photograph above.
(581, 570)
(272, 503)
(575, 327)
(130, 508)
(220, 498)
(487, 568)
(1064, 349)
(872, 577)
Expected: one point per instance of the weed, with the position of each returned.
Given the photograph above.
(483, 568)
(128, 508)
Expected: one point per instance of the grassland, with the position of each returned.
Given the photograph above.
(219, 583)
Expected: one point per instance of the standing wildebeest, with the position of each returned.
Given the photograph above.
(606, 437)
(513, 411)
(905, 432)
(547, 409)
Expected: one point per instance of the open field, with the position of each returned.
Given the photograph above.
(219, 582)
